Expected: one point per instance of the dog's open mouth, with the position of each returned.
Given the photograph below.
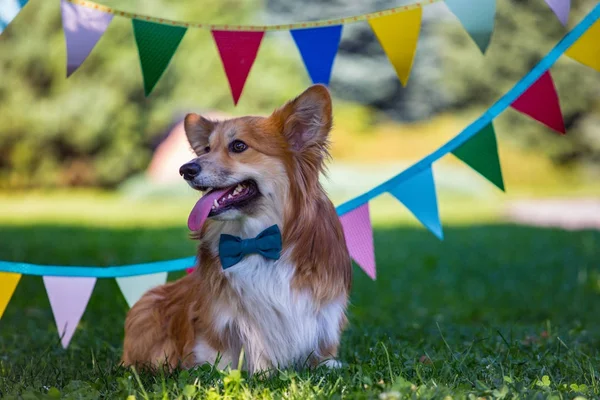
(218, 200)
(233, 197)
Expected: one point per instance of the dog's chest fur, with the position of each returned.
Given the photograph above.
(275, 324)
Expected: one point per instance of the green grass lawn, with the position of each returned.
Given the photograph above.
(493, 311)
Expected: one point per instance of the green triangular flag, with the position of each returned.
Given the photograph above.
(481, 153)
(156, 45)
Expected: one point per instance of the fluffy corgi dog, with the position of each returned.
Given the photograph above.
(281, 291)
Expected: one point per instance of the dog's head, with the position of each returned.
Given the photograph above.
(250, 165)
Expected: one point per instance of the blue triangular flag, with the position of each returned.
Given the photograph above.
(318, 47)
(418, 195)
(9, 10)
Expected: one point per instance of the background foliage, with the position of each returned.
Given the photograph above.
(97, 128)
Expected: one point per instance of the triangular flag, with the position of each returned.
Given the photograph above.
(8, 284)
(83, 27)
(68, 300)
(541, 103)
(134, 287)
(481, 153)
(318, 47)
(477, 17)
(156, 45)
(398, 34)
(418, 195)
(359, 238)
(586, 50)
(238, 50)
(9, 10)
(561, 8)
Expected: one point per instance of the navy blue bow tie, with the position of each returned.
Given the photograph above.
(232, 248)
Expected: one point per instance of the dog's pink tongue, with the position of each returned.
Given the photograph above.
(202, 208)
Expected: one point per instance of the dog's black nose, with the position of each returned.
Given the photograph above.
(189, 171)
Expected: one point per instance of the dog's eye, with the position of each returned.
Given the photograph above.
(207, 149)
(237, 146)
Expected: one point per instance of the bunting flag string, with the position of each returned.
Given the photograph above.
(157, 39)
(255, 28)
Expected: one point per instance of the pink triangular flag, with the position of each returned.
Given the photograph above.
(83, 27)
(541, 103)
(238, 51)
(68, 300)
(359, 238)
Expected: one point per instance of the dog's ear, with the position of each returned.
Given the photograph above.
(307, 119)
(197, 130)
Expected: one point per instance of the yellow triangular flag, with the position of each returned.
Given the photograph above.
(8, 284)
(586, 50)
(398, 34)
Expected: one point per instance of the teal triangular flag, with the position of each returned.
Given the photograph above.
(156, 45)
(481, 153)
(477, 17)
(418, 195)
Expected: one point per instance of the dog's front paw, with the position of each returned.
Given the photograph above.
(332, 363)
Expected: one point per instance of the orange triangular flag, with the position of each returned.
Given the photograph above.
(398, 34)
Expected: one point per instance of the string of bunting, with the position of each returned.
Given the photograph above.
(69, 288)
(157, 39)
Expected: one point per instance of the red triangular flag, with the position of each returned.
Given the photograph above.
(541, 103)
(238, 51)
(359, 238)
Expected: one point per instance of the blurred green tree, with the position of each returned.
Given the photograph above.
(97, 128)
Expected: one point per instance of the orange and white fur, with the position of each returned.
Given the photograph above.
(284, 313)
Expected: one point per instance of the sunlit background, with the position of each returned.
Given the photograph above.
(86, 148)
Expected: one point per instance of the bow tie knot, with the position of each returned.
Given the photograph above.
(232, 249)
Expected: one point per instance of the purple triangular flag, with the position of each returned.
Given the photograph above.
(561, 8)
(359, 238)
(68, 300)
(83, 28)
